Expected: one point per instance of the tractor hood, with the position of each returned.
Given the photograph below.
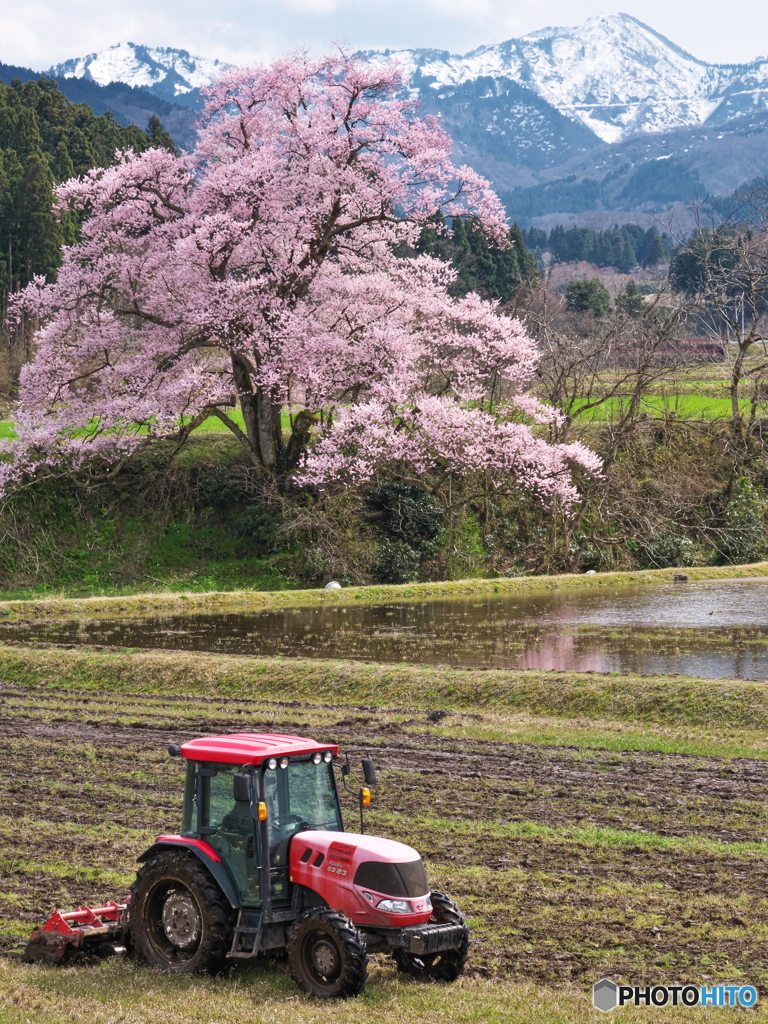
(347, 850)
(355, 873)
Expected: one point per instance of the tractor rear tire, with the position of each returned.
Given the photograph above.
(180, 920)
(326, 955)
(446, 965)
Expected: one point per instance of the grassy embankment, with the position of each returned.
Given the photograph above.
(589, 825)
(154, 603)
(197, 520)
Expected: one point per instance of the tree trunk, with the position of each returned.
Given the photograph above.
(736, 372)
(261, 421)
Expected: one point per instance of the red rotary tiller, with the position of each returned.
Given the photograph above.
(101, 932)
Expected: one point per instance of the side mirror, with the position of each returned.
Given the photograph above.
(369, 771)
(241, 788)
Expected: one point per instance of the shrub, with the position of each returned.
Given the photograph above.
(741, 535)
(397, 562)
(583, 296)
(256, 524)
(404, 512)
(670, 549)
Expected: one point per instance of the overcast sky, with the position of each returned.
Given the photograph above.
(38, 33)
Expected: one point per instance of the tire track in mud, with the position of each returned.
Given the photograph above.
(659, 787)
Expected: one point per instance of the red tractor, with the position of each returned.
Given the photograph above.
(262, 864)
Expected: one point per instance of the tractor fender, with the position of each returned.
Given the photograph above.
(204, 853)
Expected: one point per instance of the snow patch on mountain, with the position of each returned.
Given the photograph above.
(163, 70)
(614, 74)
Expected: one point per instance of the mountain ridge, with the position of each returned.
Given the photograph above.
(169, 73)
(613, 73)
(610, 109)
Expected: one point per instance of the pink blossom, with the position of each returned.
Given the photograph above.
(265, 268)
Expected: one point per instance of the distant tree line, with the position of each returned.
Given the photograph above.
(45, 139)
(625, 247)
(483, 267)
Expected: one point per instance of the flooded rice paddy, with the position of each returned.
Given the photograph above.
(709, 628)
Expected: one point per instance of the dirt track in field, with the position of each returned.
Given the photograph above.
(85, 784)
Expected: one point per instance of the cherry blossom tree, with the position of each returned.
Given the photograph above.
(269, 270)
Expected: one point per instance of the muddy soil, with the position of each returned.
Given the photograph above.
(555, 853)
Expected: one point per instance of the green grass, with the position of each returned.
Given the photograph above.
(695, 400)
(121, 993)
(62, 607)
(683, 407)
(212, 425)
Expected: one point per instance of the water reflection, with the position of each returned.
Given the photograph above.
(707, 629)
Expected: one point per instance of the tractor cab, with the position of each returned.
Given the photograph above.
(241, 809)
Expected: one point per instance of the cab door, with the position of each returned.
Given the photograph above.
(227, 826)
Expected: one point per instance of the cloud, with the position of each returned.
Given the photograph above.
(465, 9)
(315, 6)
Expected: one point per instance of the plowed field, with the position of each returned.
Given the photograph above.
(571, 863)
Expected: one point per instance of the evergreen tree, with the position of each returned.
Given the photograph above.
(492, 272)
(39, 235)
(583, 296)
(158, 136)
(630, 302)
(45, 140)
(657, 251)
(62, 167)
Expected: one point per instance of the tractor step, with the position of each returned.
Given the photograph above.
(101, 931)
(246, 938)
(252, 935)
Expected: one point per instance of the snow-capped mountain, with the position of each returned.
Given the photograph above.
(168, 73)
(614, 74)
(605, 115)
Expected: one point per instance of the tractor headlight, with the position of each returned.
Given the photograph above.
(272, 763)
(284, 762)
(317, 758)
(328, 756)
(394, 906)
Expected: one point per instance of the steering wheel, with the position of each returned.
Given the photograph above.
(289, 819)
(284, 824)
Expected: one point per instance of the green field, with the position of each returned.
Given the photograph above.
(590, 826)
(682, 407)
(687, 400)
(211, 425)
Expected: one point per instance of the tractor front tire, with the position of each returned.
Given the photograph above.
(179, 918)
(446, 965)
(326, 955)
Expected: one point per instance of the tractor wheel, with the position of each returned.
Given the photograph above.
(179, 918)
(446, 965)
(326, 955)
